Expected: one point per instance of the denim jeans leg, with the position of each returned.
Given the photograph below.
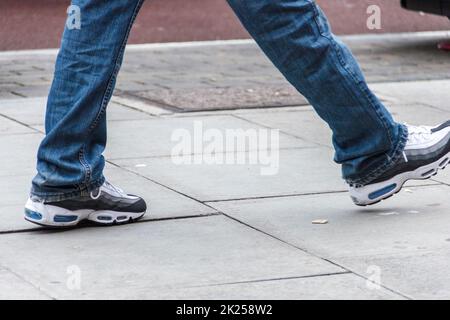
(296, 36)
(69, 160)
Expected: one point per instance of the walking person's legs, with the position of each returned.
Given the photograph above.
(377, 154)
(70, 186)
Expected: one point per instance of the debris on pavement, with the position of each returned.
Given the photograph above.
(391, 213)
(320, 221)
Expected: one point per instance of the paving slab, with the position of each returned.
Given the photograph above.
(20, 153)
(295, 173)
(15, 190)
(435, 93)
(304, 123)
(412, 220)
(337, 286)
(150, 138)
(412, 224)
(32, 111)
(152, 256)
(15, 288)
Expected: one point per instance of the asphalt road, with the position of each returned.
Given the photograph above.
(28, 24)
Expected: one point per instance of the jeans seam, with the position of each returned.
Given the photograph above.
(87, 168)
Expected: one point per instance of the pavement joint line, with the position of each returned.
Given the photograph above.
(223, 152)
(441, 182)
(37, 287)
(156, 104)
(162, 185)
(193, 216)
(240, 112)
(272, 279)
(411, 80)
(33, 229)
(437, 183)
(199, 44)
(426, 105)
(282, 131)
(12, 134)
(415, 103)
(126, 100)
(193, 111)
(18, 94)
(46, 229)
(21, 123)
(277, 196)
(230, 112)
(317, 256)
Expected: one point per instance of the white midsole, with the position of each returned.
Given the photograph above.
(48, 213)
(361, 195)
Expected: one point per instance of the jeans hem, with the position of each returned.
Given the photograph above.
(390, 162)
(83, 190)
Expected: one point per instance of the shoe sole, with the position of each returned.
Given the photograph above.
(375, 193)
(55, 217)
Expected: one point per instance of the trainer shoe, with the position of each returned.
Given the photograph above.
(107, 205)
(427, 150)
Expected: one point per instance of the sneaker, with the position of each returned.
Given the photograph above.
(107, 205)
(427, 150)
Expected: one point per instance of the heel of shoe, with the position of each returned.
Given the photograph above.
(49, 216)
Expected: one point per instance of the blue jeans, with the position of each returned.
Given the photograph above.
(294, 34)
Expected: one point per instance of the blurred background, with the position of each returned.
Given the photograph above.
(31, 24)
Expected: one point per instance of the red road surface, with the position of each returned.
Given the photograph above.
(29, 24)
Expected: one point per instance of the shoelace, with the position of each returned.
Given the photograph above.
(110, 186)
(114, 188)
(417, 134)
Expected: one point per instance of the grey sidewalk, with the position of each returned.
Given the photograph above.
(226, 231)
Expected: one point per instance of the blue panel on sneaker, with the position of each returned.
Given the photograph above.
(33, 215)
(61, 218)
(383, 191)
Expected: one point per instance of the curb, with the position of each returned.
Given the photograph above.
(196, 44)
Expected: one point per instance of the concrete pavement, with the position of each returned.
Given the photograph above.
(226, 230)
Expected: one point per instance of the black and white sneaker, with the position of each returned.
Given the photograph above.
(107, 205)
(427, 150)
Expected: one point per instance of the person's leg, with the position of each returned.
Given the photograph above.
(69, 161)
(296, 36)
(377, 154)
